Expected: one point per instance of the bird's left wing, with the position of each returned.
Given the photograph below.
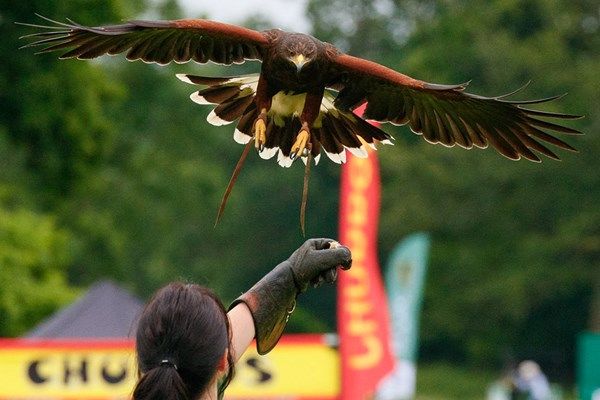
(446, 114)
(153, 41)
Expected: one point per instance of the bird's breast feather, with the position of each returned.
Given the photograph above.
(287, 104)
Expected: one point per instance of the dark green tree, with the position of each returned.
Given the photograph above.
(55, 111)
(53, 131)
(515, 244)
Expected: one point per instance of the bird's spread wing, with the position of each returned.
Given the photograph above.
(153, 41)
(446, 114)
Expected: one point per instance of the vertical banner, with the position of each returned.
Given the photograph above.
(363, 321)
(588, 366)
(404, 280)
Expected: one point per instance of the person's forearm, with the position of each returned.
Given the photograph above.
(242, 329)
(273, 298)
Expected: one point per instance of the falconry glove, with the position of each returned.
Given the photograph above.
(272, 299)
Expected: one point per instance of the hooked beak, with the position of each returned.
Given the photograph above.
(299, 61)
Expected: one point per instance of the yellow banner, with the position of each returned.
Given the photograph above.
(300, 367)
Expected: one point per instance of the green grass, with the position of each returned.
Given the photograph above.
(450, 382)
(443, 382)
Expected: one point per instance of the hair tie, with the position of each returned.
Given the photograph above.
(169, 363)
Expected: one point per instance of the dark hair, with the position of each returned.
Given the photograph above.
(182, 335)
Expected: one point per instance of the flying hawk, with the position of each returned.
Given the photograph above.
(302, 103)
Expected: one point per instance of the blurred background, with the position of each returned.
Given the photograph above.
(108, 170)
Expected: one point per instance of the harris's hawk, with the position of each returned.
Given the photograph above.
(302, 103)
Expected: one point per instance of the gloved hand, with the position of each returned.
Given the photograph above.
(317, 261)
(272, 299)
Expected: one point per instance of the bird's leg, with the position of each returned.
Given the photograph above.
(260, 130)
(302, 140)
(263, 103)
(310, 112)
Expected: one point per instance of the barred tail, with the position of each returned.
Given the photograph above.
(334, 131)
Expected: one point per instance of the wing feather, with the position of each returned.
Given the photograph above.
(446, 114)
(477, 138)
(153, 41)
(535, 145)
(460, 135)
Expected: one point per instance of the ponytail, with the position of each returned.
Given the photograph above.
(181, 337)
(162, 382)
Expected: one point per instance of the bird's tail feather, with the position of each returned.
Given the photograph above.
(334, 132)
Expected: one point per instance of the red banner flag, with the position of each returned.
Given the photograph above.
(363, 319)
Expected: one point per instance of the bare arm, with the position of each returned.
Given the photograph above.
(242, 329)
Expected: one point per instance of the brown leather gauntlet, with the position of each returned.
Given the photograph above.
(272, 299)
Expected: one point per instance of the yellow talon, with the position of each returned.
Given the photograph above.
(299, 146)
(260, 137)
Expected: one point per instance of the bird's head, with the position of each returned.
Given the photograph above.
(300, 50)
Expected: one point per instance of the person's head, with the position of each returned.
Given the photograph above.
(182, 343)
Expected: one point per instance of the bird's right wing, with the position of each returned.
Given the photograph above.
(153, 41)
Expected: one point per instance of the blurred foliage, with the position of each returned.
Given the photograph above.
(60, 123)
(34, 255)
(516, 246)
(108, 170)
